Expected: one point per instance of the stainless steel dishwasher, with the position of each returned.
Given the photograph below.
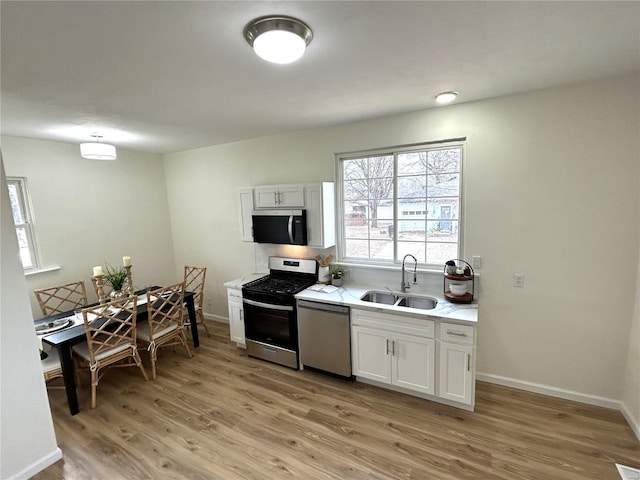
(325, 337)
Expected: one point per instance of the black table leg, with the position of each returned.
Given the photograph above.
(69, 379)
(194, 322)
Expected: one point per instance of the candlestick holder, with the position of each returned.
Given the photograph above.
(98, 283)
(128, 289)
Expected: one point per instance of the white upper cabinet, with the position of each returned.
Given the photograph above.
(279, 196)
(321, 221)
(316, 198)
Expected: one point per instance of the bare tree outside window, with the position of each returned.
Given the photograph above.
(402, 202)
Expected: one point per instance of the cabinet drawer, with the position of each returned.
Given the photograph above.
(455, 333)
(233, 293)
(393, 323)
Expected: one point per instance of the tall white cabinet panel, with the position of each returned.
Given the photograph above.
(236, 316)
(370, 355)
(246, 208)
(413, 365)
(456, 372)
(321, 220)
(279, 196)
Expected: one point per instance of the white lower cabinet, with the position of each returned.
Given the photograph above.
(405, 353)
(457, 363)
(370, 354)
(456, 378)
(236, 316)
(413, 364)
(382, 354)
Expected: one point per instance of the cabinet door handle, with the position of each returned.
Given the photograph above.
(278, 198)
(456, 333)
(387, 346)
(469, 363)
(393, 347)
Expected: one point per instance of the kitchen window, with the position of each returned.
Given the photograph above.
(405, 200)
(23, 219)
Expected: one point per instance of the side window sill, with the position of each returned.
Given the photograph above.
(37, 271)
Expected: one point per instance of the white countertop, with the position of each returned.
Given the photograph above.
(350, 295)
(238, 282)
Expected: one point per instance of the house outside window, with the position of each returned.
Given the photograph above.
(23, 219)
(401, 201)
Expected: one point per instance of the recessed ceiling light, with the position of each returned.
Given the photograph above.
(278, 39)
(446, 97)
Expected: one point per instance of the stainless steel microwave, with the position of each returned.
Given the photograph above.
(287, 227)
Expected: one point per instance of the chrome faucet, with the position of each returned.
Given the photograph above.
(404, 286)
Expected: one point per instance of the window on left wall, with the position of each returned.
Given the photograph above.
(23, 219)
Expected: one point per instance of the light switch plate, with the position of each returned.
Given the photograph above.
(518, 280)
(476, 261)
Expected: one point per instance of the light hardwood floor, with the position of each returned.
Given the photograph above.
(222, 415)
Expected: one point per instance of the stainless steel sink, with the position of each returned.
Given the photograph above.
(380, 297)
(421, 303)
(407, 301)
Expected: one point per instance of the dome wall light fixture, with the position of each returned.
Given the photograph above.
(98, 151)
(446, 97)
(278, 38)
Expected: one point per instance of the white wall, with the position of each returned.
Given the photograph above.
(551, 192)
(27, 439)
(88, 212)
(202, 187)
(631, 394)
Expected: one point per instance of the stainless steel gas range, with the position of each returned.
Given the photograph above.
(270, 318)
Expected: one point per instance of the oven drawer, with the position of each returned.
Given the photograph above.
(272, 353)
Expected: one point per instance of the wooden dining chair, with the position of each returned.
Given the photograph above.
(111, 340)
(165, 321)
(51, 368)
(194, 278)
(61, 298)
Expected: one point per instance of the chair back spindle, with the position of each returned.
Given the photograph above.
(61, 298)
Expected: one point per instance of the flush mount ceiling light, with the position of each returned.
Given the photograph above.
(97, 151)
(446, 97)
(278, 38)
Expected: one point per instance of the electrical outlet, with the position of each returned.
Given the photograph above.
(518, 280)
(476, 262)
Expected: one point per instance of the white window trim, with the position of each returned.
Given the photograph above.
(394, 150)
(24, 198)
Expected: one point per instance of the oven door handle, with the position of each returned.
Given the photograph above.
(270, 306)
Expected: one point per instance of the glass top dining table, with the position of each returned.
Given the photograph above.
(64, 339)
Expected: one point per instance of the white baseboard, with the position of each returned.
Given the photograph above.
(216, 318)
(39, 465)
(633, 422)
(551, 391)
(562, 393)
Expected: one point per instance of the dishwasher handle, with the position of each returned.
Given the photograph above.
(325, 307)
